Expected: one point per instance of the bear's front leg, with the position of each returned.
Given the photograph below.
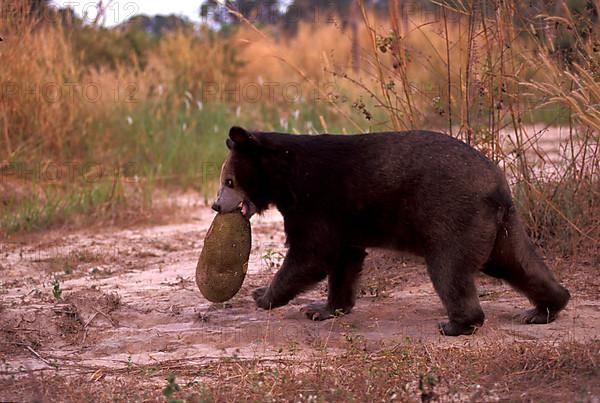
(260, 299)
(341, 288)
(322, 311)
(300, 270)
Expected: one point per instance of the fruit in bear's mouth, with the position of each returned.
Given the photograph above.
(223, 261)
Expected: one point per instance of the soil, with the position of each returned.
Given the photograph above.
(109, 312)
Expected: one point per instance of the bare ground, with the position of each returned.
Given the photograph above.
(129, 314)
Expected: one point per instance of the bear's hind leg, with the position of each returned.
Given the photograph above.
(515, 260)
(452, 275)
(341, 287)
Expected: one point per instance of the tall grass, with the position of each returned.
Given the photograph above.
(142, 125)
(484, 72)
(492, 76)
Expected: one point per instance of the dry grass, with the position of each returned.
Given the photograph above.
(480, 76)
(487, 75)
(40, 63)
(475, 370)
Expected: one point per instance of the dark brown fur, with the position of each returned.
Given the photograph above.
(419, 191)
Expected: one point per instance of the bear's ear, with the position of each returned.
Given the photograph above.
(240, 138)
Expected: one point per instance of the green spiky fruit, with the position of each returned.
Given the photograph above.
(223, 261)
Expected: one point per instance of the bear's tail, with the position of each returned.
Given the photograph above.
(515, 260)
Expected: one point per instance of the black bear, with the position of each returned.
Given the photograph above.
(419, 191)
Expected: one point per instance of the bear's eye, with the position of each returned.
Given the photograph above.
(229, 183)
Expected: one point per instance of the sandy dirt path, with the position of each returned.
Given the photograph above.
(128, 297)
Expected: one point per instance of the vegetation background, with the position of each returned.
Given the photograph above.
(96, 122)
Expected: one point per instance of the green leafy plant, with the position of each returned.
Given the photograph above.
(56, 290)
(170, 389)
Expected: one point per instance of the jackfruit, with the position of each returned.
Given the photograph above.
(224, 258)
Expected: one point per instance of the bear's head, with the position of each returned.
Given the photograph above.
(244, 181)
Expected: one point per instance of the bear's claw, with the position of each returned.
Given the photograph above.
(318, 311)
(259, 296)
(456, 329)
(538, 316)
